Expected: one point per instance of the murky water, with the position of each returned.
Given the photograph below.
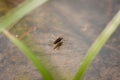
(79, 22)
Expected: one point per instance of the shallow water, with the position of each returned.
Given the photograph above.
(79, 22)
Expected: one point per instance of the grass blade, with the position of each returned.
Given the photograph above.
(30, 55)
(17, 13)
(97, 45)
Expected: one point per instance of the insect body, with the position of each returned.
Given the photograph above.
(58, 42)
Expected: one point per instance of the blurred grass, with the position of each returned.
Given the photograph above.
(30, 55)
(97, 46)
(17, 13)
(11, 18)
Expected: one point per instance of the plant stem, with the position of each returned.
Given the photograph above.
(97, 46)
(16, 14)
(30, 55)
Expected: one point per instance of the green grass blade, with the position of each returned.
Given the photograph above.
(30, 55)
(97, 45)
(17, 13)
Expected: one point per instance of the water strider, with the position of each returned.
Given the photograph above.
(58, 42)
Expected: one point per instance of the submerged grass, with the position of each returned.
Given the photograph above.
(11, 18)
(30, 55)
(97, 46)
(16, 14)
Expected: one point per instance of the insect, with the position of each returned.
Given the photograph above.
(58, 42)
